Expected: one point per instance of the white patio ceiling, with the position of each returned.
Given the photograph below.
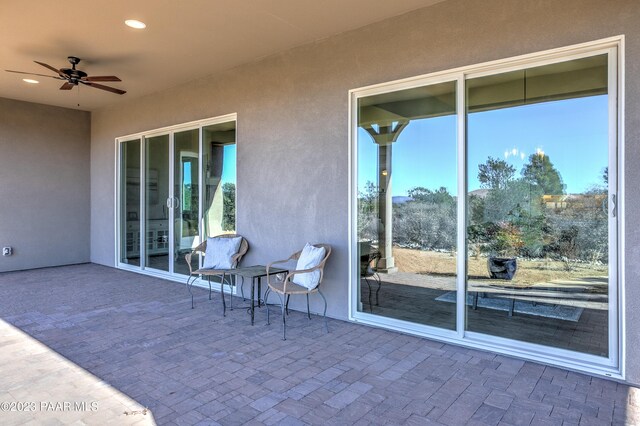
(183, 41)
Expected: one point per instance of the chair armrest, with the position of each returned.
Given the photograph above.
(290, 274)
(269, 265)
(234, 260)
(187, 257)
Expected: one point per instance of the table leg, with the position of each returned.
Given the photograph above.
(259, 289)
(253, 281)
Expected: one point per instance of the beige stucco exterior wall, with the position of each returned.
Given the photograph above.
(293, 150)
(44, 185)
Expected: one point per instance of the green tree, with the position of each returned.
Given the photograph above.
(495, 173)
(424, 195)
(539, 171)
(368, 212)
(228, 206)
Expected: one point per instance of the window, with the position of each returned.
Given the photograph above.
(177, 186)
(483, 203)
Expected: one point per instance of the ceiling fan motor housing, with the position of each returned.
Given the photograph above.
(72, 73)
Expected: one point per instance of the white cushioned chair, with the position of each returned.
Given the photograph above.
(218, 261)
(305, 279)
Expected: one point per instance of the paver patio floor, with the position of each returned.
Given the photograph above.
(138, 336)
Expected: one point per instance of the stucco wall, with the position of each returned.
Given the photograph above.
(293, 121)
(44, 185)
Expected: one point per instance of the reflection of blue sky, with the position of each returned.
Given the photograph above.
(229, 164)
(573, 133)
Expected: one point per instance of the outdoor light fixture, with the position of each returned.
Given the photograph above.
(134, 23)
(385, 172)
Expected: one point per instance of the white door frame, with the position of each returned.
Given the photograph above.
(611, 366)
(141, 136)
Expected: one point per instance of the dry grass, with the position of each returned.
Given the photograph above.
(529, 272)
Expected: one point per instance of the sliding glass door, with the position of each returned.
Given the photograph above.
(485, 206)
(407, 192)
(163, 212)
(538, 191)
(158, 203)
(129, 212)
(186, 193)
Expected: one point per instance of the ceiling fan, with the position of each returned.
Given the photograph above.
(73, 76)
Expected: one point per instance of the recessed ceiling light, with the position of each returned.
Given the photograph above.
(30, 81)
(134, 23)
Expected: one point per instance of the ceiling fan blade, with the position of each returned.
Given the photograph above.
(67, 86)
(33, 73)
(102, 78)
(103, 87)
(51, 68)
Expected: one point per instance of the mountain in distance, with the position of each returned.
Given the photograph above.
(400, 199)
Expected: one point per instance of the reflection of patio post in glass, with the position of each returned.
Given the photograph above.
(213, 214)
(385, 209)
(385, 128)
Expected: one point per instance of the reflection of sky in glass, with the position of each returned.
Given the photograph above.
(186, 178)
(573, 133)
(229, 168)
(424, 155)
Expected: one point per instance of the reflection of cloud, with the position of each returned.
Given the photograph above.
(514, 152)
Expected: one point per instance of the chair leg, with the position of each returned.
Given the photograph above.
(242, 289)
(286, 305)
(189, 285)
(284, 320)
(224, 304)
(308, 311)
(209, 279)
(326, 323)
(378, 290)
(266, 296)
(231, 284)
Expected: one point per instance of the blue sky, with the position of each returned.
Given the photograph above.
(573, 133)
(229, 161)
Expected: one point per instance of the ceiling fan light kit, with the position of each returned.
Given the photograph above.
(72, 77)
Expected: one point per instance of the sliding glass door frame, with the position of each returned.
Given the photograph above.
(118, 222)
(611, 366)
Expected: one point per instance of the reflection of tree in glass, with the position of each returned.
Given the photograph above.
(541, 172)
(368, 212)
(228, 206)
(495, 173)
(532, 217)
(426, 221)
(424, 195)
(187, 197)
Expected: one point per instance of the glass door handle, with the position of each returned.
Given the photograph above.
(614, 202)
(173, 202)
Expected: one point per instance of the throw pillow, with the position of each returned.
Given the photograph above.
(220, 251)
(310, 257)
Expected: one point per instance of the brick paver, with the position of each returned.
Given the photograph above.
(138, 337)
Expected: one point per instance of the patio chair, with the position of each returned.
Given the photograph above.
(221, 259)
(305, 279)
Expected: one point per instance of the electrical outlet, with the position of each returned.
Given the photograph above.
(7, 251)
